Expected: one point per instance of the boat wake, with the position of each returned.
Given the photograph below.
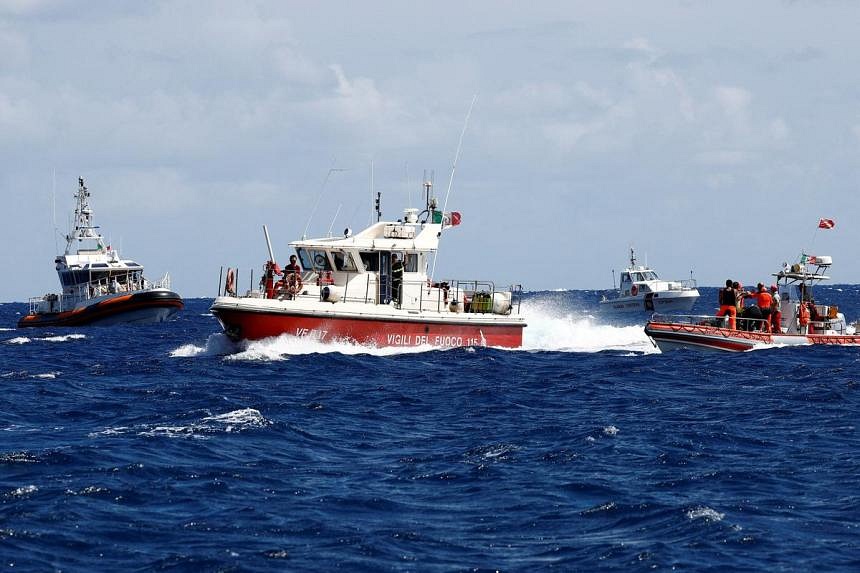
(554, 329)
(284, 346)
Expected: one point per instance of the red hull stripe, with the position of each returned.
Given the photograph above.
(378, 332)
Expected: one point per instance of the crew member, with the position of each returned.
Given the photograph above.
(292, 278)
(775, 313)
(764, 300)
(293, 267)
(728, 303)
(396, 277)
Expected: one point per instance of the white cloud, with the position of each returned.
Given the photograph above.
(734, 100)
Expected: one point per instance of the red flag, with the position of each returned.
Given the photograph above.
(826, 224)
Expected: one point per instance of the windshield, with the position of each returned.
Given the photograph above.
(343, 261)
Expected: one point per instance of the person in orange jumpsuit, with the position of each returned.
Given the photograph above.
(728, 303)
(764, 301)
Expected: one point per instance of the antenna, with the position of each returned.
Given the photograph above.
(457, 155)
(613, 279)
(453, 169)
(408, 189)
(319, 196)
(334, 219)
(371, 189)
(54, 208)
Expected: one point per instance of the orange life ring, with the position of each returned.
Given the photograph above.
(634, 290)
(230, 284)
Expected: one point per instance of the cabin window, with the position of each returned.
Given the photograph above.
(625, 278)
(314, 259)
(410, 263)
(370, 260)
(343, 261)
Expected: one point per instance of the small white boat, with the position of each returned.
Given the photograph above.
(641, 289)
(802, 321)
(99, 287)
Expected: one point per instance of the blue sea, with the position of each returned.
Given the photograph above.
(168, 448)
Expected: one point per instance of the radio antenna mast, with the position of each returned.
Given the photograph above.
(451, 180)
(54, 208)
(319, 196)
(457, 155)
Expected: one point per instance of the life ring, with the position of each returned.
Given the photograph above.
(293, 283)
(230, 283)
(634, 290)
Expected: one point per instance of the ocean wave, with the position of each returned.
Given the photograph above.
(46, 375)
(228, 422)
(241, 419)
(22, 491)
(705, 513)
(63, 338)
(60, 338)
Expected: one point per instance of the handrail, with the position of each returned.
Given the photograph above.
(104, 286)
(470, 296)
(706, 320)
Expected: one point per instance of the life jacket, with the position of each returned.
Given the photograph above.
(803, 314)
(763, 299)
(728, 297)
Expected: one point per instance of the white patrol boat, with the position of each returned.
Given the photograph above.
(99, 287)
(801, 320)
(641, 289)
(373, 288)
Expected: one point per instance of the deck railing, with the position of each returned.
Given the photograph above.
(748, 324)
(78, 293)
(456, 295)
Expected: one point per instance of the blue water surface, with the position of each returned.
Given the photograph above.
(167, 448)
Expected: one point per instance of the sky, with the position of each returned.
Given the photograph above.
(710, 136)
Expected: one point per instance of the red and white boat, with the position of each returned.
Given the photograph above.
(346, 292)
(99, 287)
(803, 322)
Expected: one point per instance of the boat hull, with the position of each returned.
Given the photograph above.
(670, 336)
(661, 302)
(374, 330)
(143, 307)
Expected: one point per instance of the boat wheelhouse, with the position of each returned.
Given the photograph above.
(374, 288)
(99, 286)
